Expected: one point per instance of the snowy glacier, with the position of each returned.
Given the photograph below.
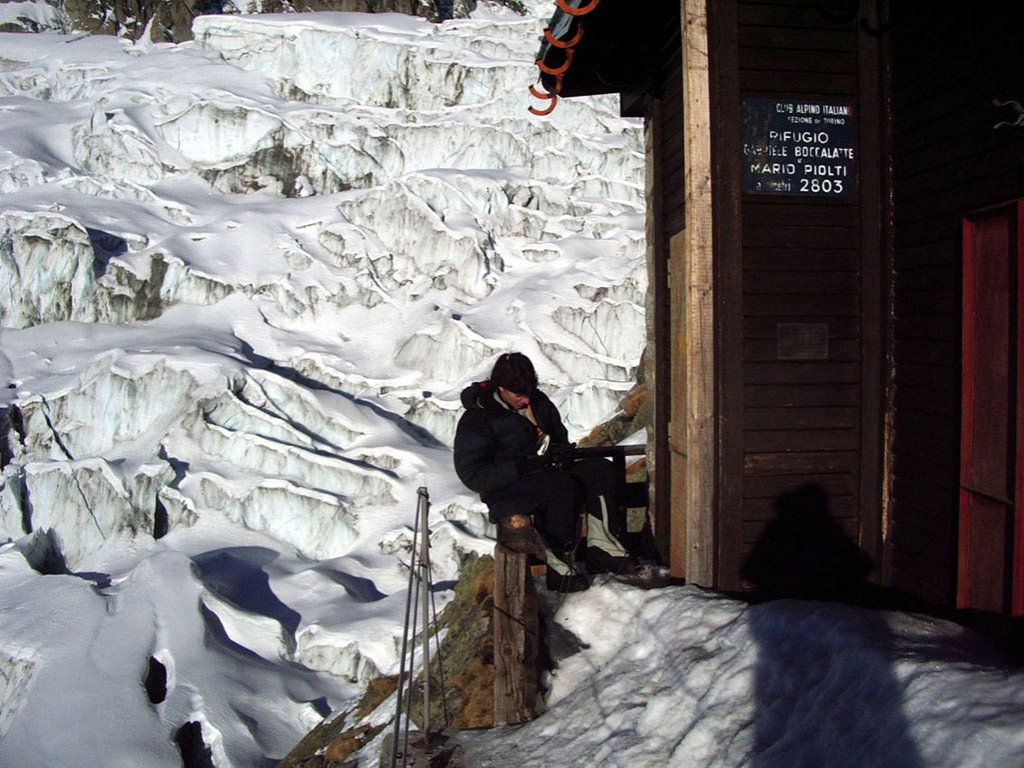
(242, 283)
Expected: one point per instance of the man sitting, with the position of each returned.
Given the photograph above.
(512, 448)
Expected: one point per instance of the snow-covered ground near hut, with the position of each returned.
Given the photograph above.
(242, 282)
(685, 677)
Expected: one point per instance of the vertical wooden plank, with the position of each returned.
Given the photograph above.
(728, 238)
(658, 329)
(964, 588)
(515, 639)
(1017, 585)
(700, 308)
(666, 217)
(887, 437)
(874, 254)
(677, 341)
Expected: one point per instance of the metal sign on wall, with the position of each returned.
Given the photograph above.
(798, 147)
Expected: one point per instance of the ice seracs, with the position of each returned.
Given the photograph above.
(46, 269)
(243, 283)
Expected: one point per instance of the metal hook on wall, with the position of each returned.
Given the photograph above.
(550, 37)
(582, 11)
(844, 11)
(1013, 105)
(883, 15)
(874, 21)
(557, 70)
(548, 96)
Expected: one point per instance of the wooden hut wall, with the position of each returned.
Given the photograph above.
(667, 200)
(949, 159)
(806, 261)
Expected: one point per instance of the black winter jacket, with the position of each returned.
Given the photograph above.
(491, 439)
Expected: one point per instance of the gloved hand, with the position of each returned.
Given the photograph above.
(533, 463)
(562, 454)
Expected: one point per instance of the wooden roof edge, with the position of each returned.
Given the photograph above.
(593, 47)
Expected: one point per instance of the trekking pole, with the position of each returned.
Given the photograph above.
(440, 662)
(424, 509)
(418, 594)
(405, 639)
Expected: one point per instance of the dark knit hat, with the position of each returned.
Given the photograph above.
(514, 372)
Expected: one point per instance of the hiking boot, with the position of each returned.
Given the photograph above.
(648, 575)
(599, 561)
(570, 581)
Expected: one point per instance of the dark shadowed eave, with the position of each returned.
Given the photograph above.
(594, 47)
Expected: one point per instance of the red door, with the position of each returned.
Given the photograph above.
(991, 540)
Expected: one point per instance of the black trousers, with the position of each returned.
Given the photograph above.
(597, 476)
(552, 496)
(556, 498)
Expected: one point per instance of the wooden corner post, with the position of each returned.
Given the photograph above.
(695, 406)
(516, 638)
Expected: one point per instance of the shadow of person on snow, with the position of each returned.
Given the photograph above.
(825, 689)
